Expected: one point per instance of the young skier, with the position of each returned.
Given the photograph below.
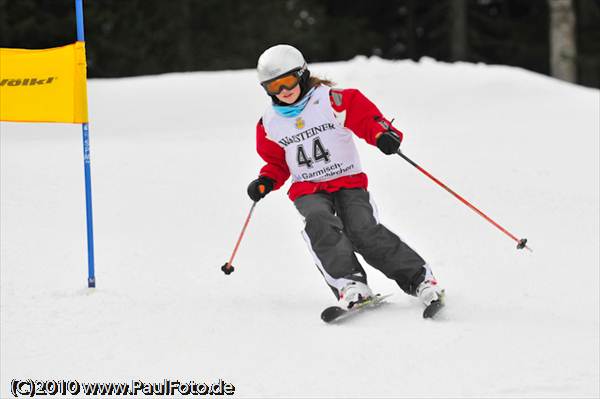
(307, 132)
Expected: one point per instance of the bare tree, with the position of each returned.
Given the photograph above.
(563, 48)
(459, 30)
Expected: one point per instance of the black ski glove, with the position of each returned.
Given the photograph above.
(388, 142)
(260, 187)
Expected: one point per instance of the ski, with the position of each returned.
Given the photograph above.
(435, 306)
(337, 313)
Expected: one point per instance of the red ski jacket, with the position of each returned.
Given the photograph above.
(362, 118)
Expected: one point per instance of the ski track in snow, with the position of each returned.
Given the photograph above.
(171, 158)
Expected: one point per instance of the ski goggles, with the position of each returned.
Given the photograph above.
(287, 81)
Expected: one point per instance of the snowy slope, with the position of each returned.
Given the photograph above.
(171, 158)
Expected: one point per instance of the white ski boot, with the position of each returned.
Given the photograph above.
(429, 291)
(354, 293)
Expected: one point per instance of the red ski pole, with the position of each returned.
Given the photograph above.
(521, 243)
(227, 268)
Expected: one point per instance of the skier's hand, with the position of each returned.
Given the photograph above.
(260, 187)
(388, 142)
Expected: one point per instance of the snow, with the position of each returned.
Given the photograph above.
(171, 158)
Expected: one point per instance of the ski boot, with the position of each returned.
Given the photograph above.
(432, 296)
(353, 293)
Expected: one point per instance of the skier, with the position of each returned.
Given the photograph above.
(307, 131)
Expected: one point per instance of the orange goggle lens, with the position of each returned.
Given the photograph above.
(275, 87)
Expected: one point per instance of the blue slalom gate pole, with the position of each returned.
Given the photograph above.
(86, 165)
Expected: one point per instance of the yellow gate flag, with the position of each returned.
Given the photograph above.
(44, 85)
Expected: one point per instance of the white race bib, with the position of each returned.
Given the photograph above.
(317, 145)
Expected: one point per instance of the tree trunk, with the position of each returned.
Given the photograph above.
(411, 30)
(184, 43)
(459, 30)
(562, 40)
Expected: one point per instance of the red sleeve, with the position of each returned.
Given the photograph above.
(362, 116)
(276, 167)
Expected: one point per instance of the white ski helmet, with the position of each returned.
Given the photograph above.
(279, 60)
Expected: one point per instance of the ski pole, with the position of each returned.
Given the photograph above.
(521, 243)
(228, 268)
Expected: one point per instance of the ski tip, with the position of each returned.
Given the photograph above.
(435, 306)
(433, 309)
(332, 313)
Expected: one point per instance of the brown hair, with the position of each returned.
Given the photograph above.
(315, 81)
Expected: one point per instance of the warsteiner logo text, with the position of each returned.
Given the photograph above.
(308, 133)
(27, 81)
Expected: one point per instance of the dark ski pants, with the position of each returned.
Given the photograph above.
(339, 224)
